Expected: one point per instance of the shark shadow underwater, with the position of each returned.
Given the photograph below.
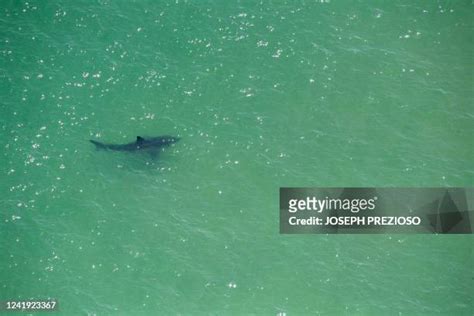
(149, 144)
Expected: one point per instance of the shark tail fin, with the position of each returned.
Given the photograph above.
(98, 145)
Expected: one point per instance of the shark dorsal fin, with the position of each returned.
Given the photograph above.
(140, 139)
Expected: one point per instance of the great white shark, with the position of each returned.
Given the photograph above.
(151, 144)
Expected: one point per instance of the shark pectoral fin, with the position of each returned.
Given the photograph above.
(140, 139)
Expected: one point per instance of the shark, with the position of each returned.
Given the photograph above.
(151, 144)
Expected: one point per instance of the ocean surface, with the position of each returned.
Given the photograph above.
(264, 95)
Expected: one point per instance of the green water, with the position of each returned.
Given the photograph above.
(263, 95)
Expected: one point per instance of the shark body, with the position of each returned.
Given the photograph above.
(141, 143)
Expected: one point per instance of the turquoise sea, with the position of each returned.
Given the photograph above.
(264, 94)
